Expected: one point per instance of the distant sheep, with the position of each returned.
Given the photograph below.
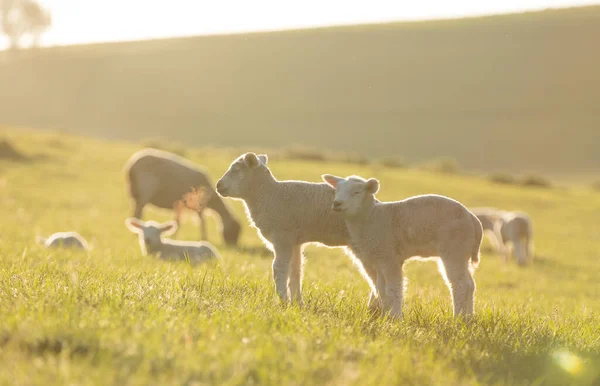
(64, 240)
(152, 242)
(287, 215)
(506, 229)
(163, 179)
(383, 235)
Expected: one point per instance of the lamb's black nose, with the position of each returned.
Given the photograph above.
(336, 204)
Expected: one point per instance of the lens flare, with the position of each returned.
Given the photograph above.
(568, 361)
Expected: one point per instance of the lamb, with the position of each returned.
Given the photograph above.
(286, 214)
(65, 240)
(383, 235)
(152, 242)
(163, 179)
(505, 228)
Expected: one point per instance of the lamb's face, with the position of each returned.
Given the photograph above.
(237, 179)
(351, 193)
(150, 232)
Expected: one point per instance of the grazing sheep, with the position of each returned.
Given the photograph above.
(65, 240)
(152, 242)
(163, 179)
(504, 229)
(383, 235)
(287, 215)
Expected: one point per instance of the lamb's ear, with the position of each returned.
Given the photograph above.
(263, 158)
(133, 224)
(372, 186)
(331, 179)
(168, 228)
(251, 160)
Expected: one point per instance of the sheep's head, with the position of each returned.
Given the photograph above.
(150, 232)
(238, 178)
(352, 194)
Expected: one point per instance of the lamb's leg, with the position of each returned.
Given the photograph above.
(460, 282)
(146, 187)
(530, 249)
(521, 251)
(139, 209)
(203, 233)
(281, 266)
(496, 242)
(374, 302)
(178, 209)
(390, 285)
(296, 274)
(501, 242)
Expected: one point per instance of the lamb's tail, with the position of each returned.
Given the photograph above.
(475, 254)
(40, 240)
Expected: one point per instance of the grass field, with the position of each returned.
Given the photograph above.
(115, 317)
(472, 89)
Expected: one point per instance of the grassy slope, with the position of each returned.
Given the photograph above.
(115, 317)
(524, 84)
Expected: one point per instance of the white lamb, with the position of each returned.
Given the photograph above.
(383, 235)
(152, 242)
(65, 240)
(287, 215)
(506, 229)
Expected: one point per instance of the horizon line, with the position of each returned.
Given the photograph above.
(321, 26)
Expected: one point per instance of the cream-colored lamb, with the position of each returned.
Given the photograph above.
(287, 215)
(383, 235)
(65, 240)
(508, 230)
(152, 242)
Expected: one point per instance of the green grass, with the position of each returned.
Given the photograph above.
(115, 317)
(476, 90)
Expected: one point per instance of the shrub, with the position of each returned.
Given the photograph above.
(536, 181)
(443, 165)
(392, 162)
(9, 152)
(304, 153)
(351, 158)
(502, 178)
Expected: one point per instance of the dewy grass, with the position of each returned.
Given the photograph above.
(112, 316)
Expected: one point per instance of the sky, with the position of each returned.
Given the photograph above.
(86, 21)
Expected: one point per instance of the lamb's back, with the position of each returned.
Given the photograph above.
(302, 210)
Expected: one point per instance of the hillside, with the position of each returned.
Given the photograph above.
(526, 85)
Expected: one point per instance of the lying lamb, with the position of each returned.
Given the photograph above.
(287, 215)
(383, 235)
(64, 239)
(508, 228)
(152, 242)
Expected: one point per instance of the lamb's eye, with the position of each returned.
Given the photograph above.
(355, 193)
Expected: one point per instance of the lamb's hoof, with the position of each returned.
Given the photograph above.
(465, 317)
(298, 303)
(374, 309)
